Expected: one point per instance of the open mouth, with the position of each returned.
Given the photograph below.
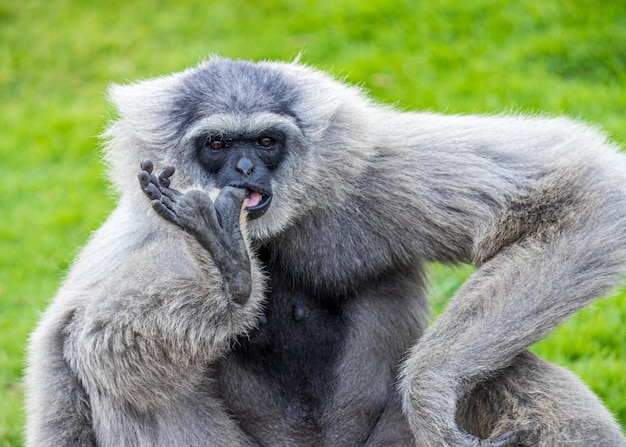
(258, 203)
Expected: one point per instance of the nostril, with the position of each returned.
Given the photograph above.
(244, 166)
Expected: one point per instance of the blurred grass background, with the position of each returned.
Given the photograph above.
(58, 57)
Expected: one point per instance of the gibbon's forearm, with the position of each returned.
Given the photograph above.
(155, 324)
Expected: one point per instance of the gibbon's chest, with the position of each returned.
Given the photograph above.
(297, 339)
(297, 333)
(284, 367)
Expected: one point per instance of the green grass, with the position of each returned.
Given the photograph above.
(57, 58)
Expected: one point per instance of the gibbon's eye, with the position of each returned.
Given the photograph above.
(215, 143)
(266, 142)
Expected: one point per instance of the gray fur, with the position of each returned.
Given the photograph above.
(143, 345)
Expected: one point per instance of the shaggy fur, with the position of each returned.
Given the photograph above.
(144, 345)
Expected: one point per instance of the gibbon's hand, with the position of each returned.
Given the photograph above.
(216, 226)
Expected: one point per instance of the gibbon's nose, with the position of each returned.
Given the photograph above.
(244, 166)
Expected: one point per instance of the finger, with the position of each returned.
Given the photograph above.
(146, 165)
(165, 212)
(144, 179)
(164, 181)
(167, 202)
(228, 207)
(171, 194)
(165, 174)
(231, 198)
(154, 180)
(152, 192)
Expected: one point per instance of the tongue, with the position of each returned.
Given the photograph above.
(254, 200)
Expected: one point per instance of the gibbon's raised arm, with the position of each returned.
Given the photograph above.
(539, 206)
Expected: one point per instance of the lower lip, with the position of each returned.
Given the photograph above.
(259, 210)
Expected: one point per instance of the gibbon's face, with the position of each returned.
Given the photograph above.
(272, 129)
(241, 126)
(243, 132)
(244, 160)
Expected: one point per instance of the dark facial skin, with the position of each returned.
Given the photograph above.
(243, 161)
